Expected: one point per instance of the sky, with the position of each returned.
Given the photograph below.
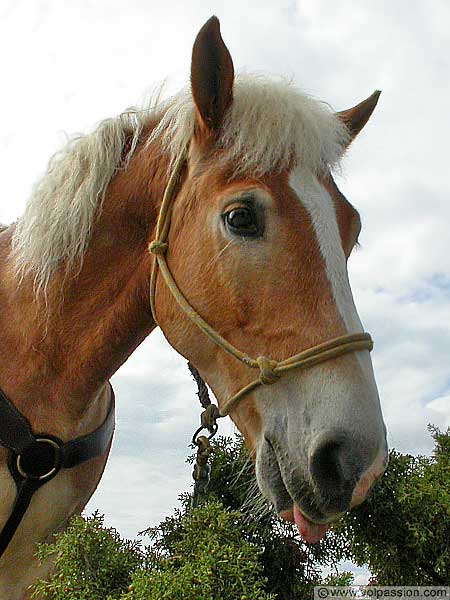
(66, 65)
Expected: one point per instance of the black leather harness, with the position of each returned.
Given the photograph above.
(34, 459)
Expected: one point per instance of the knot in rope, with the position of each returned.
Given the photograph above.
(157, 247)
(267, 374)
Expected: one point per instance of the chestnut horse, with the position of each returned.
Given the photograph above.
(259, 239)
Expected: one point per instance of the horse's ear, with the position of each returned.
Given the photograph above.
(212, 75)
(355, 118)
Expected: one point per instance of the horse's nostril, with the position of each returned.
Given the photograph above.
(326, 464)
(334, 469)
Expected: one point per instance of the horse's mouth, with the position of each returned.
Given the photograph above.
(294, 499)
(311, 523)
(309, 531)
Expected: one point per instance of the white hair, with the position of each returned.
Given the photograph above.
(269, 125)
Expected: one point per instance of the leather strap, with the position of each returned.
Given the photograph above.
(92, 444)
(35, 459)
(15, 431)
(23, 498)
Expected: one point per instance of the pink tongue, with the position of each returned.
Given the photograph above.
(310, 532)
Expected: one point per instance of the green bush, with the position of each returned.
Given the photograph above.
(209, 560)
(233, 547)
(91, 562)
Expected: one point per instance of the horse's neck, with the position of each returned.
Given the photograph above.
(54, 359)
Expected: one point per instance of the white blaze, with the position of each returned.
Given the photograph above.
(319, 204)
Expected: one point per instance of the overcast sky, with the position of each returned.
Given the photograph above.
(67, 65)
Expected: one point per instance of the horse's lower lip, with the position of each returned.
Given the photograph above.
(310, 531)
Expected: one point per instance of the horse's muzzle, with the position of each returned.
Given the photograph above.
(336, 477)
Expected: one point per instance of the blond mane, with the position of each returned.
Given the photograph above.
(270, 125)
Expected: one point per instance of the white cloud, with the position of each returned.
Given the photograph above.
(362, 579)
(441, 406)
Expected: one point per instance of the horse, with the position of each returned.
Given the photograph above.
(230, 186)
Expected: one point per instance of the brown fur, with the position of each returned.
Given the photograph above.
(348, 219)
(53, 366)
(356, 117)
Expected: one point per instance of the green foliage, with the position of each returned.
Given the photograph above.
(403, 530)
(91, 562)
(208, 561)
(233, 547)
(339, 578)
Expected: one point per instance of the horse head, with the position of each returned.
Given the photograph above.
(258, 245)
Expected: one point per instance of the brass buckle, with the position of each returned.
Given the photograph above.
(57, 463)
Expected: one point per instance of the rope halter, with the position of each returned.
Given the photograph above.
(270, 370)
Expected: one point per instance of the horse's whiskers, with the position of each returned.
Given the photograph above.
(219, 254)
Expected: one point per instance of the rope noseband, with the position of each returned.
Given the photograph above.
(269, 370)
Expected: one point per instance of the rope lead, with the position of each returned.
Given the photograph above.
(208, 420)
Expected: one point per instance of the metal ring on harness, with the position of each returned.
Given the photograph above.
(34, 459)
(57, 458)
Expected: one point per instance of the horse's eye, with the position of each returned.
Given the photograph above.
(243, 221)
